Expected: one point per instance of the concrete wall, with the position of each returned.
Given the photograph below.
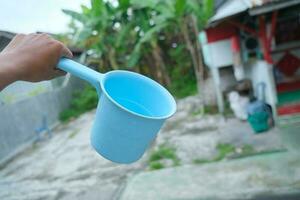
(227, 81)
(19, 120)
(260, 71)
(217, 53)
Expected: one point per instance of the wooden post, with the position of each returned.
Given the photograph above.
(220, 99)
(265, 39)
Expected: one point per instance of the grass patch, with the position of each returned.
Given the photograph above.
(202, 161)
(211, 110)
(199, 111)
(247, 150)
(227, 110)
(164, 152)
(156, 165)
(73, 134)
(81, 102)
(224, 150)
(208, 110)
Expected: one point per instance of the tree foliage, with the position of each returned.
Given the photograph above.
(154, 37)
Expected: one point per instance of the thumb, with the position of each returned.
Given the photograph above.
(65, 52)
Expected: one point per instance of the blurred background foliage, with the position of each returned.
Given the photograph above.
(81, 102)
(157, 38)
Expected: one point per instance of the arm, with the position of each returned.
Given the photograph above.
(31, 58)
(7, 74)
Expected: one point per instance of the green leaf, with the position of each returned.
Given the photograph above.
(82, 34)
(85, 10)
(159, 19)
(193, 7)
(97, 7)
(134, 57)
(75, 15)
(208, 8)
(144, 3)
(147, 37)
(150, 33)
(180, 7)
(124, 4)
(125, 31)
(166, 10)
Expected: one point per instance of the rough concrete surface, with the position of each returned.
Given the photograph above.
(248, 178)
(66, 167)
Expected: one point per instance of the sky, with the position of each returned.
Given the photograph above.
(27, 16)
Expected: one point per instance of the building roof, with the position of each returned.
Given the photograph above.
(255, 7)
(5, 38)
(270, 5)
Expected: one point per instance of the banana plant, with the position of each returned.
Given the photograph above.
(189, 16)
(97, 29)
(128, 34)
(175, 13)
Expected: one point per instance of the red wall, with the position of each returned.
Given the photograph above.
(220, 33)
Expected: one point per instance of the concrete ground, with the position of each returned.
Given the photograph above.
(272, 176)
(66, 167)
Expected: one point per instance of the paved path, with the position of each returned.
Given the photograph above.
(260, 177)
(65, 167)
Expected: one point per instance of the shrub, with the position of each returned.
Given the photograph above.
(81, 102)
